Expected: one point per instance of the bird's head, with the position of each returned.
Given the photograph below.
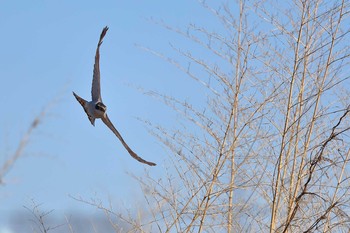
(100, 107)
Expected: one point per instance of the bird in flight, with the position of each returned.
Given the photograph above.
(95, 108)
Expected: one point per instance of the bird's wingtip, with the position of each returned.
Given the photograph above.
(75, 94)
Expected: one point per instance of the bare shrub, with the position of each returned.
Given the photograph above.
(269, 148)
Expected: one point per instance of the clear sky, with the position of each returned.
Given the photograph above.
(47, 50)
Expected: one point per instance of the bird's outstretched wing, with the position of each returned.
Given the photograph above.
(106, 120)
(96, 89)
(83, 104)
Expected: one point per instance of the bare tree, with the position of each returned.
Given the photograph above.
(38, 220)
(269, 148)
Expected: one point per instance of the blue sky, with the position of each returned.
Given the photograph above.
(47, 51)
